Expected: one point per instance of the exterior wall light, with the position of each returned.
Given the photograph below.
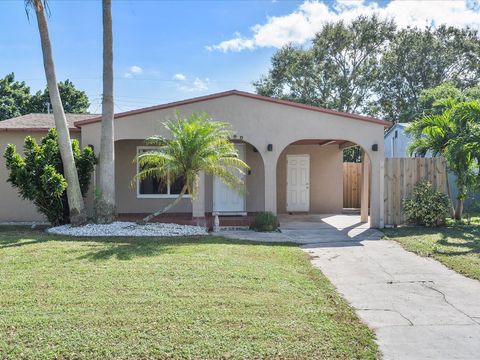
(270, 147)
(375, 147)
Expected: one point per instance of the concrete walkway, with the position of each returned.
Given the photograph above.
(312, 229)
(418, 308)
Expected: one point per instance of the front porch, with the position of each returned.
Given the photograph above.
(341, 229)
(313, 187)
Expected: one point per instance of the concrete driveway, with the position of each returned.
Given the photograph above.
(417, 307)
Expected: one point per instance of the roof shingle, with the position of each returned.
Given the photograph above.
(40, 122)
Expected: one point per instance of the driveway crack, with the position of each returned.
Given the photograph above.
(449, 303)
(410, 323)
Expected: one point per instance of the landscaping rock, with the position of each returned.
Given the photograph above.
(121, 228)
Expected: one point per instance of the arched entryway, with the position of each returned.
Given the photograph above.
(309, 179)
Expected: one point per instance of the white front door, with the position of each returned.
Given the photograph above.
(298, 182)
(225, 199)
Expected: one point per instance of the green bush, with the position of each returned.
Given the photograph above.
(427, 206)
(265, 221)
(38, 174)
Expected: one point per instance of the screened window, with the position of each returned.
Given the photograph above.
(155, 187)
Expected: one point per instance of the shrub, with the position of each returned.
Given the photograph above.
(427, 206)
(38, 174)
(265, 221)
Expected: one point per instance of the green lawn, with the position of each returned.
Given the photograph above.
(457, 246)
(161, 298)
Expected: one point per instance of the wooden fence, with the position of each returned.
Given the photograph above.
(401, 175)
(352, 185)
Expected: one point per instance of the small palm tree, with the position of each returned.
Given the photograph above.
(451, 134)
(195, 144)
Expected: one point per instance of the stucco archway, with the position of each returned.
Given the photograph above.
(323, 184)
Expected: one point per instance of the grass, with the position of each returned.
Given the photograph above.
(196, 298)
(457, 245)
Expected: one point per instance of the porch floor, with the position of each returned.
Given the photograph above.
(313, 229)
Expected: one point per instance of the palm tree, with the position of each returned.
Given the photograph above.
(105, 204)
(195, 144)
(75, 200)
(450, 134)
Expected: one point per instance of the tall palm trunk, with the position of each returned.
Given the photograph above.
(165, 209)
(75, 200)
(105, 207)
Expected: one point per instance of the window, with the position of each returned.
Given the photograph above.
(153, 187)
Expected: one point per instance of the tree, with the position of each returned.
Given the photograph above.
(368, 67)
(14, 97)
(105, 206)
(38, 174)
(451, 134)
(195, 144)
(421, 59)
(353, 154)
(338, 72)
(434, 100)
(76, 204)
(74, 101)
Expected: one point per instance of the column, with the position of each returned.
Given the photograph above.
(365, 189)
(270, 166)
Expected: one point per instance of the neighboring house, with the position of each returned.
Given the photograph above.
(294, 151)
(396, 141)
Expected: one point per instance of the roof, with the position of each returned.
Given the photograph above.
(244, 94)
(40, 122)
(394, 126)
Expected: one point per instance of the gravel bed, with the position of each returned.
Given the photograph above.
(124, 228)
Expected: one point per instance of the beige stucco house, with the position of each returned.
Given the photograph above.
(294, 151)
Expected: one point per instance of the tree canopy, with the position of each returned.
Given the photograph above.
(338, 71)
(418, 59)
(370, 67)
(16, 98)
(74, 101)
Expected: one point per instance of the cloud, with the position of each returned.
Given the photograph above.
(179, 77)
(133, 70)
(301, 25)
(136, 70)
(195, 86)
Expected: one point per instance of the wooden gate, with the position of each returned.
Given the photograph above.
(401, 175)
(352, 184)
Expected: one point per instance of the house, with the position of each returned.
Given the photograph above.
(294, 151)
(397, 140)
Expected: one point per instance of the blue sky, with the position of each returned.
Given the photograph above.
(171, 50)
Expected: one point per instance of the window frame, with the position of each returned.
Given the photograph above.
(153, 196)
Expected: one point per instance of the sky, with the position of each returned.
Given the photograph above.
(172, 50)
